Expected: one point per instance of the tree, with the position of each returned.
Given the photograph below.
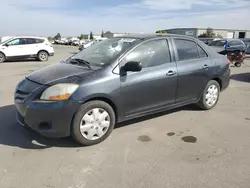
(161, 31)
(208, 34)
(50, 38)
(58, 36)
(91, 36)
(108, 32)
(219, 36)
(102, 35)
(81, 37)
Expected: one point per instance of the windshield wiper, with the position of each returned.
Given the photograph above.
(82, 61)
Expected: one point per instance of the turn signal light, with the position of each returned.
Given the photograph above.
(59, 97)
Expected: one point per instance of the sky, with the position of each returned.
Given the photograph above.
(73, 17)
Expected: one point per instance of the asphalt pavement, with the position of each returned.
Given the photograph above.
(182, 148)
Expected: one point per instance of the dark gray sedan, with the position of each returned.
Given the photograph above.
(119, 79)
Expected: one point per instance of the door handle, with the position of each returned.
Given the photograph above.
(171, 73)
(205, 66)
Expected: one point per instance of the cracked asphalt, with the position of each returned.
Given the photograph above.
(182, 148)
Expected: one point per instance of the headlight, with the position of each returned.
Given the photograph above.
(59, 92)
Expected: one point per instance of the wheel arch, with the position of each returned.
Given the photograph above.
(4, 56)
(3, 53)
(42, 51)
(99, 98)
(108, 101)
(217, 79)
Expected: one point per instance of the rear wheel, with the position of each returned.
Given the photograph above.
(237, 64)
(2, 57)
(210, 95)
(93, 123)
(43, 56)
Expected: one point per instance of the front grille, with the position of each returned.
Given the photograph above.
(21, 95)
(22, 92)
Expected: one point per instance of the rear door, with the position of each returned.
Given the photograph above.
(31, 47)
(155, 85)
(194, 66)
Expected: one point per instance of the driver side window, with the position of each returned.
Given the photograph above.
(16, 42)
(152, 53)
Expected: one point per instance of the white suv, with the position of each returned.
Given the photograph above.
(26, 47)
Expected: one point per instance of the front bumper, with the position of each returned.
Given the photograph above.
(51, 54)
(50, 119)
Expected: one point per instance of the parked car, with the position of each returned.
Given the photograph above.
(84, 46)
(248, 49)
(224, 46)
(246, 41)
(75, 42)
(119, 79)
(206, 40)
(26, 47)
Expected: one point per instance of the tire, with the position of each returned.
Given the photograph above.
(2, 57)
(203, 103)
(237, 64)
(92, 127)
(43, 56)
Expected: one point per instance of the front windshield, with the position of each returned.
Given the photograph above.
(104, 52)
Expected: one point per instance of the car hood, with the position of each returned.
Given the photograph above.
(60, 72)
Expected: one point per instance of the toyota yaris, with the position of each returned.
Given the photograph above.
(119, 79)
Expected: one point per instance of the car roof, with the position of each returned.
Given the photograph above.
(29, 37)
(229, 39)
(149, 36)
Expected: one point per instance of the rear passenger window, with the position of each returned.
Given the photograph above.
(30, 41)
(186, 49)
(202, 53)
(152, 53)
(234, 43)
(40, 40)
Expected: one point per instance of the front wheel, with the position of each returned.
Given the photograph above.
(210, 95)
(43, 56)
(2, 57)
(237, 64)
(93, 123)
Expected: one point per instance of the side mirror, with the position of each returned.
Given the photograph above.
(7, 45)
(132, 66)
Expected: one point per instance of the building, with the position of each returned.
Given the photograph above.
(225, 33)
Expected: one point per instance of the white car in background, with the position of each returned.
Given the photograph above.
(26, 47)
(84, 46)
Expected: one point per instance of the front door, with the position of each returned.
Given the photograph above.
(155, 85)
(15, 48)
(194, 66)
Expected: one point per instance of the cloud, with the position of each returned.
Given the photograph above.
(47, 17)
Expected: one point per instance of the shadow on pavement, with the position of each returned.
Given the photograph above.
(15, 135)
(242, 77)
(22, 60)
(145, 118)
